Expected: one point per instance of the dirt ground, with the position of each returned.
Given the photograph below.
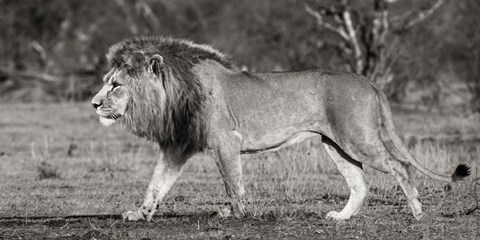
(203, 226)
(63, 176)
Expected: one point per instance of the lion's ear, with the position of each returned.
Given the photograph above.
(155, 63)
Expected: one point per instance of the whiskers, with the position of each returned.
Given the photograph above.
(108, 116)
(115, 117)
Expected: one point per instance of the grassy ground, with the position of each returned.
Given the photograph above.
(56, 161)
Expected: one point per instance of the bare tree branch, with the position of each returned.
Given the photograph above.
(381, 25)
(38, 49)
(352, 36)
(346, 31)
(340, 31)
(423, 15)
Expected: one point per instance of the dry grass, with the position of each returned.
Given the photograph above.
(56, 160)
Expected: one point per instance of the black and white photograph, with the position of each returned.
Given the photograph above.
(239, 119)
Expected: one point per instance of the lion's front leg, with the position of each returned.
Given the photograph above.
(227, 158)
(168, 169)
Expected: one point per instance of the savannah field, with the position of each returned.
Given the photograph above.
(64, 176)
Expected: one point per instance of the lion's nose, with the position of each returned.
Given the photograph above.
(96, 104)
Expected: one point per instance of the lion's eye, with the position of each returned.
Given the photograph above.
(115, 85)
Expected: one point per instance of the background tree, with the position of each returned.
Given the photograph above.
(422, 51)
(368, 37)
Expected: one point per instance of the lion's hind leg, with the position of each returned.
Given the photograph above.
(353, 173)
(380, 155)
(402, 170)
(403, 173)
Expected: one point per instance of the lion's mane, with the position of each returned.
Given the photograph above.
(168, 110)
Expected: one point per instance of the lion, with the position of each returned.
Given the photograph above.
(190, 98)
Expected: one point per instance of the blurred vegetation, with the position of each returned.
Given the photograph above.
(54, 50)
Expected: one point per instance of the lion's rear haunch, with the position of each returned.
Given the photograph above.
(462, 171)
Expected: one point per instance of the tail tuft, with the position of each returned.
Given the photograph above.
(461, 172)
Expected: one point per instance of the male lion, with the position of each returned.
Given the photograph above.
(190, 98)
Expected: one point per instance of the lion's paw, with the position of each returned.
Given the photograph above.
(224, 212)
(133, 216)
(229, 211)
(338, 216)
(419, 215)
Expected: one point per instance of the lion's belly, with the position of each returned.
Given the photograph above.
(268, 141)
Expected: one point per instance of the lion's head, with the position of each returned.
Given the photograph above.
(152, 90)
(121, 87)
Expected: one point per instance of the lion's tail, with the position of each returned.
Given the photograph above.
(460, 172)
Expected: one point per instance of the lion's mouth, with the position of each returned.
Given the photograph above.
(108, 114)
(108, 118)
